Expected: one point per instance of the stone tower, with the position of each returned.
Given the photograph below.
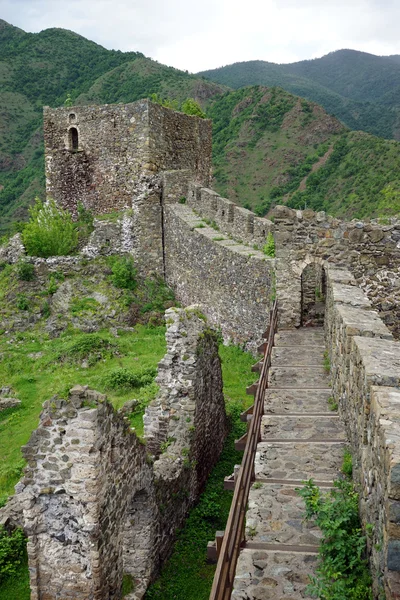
(112, 157)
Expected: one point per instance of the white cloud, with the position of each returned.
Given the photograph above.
(212, 33)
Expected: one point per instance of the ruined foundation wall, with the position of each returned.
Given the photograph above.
(94, 504)
(233, 283)
(365, 369)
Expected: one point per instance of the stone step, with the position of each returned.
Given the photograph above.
(299, 461)
(269, 575)
(313, 336)
(296, 401)
(301, 427)
(275, 514)
(283, 356)
(298, 377)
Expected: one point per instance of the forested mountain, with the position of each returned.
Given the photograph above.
(360, 89)
(38, 69)
(269, 146)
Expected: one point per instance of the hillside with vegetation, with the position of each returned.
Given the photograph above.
(360, 89)
(271, 147)
(38, 69)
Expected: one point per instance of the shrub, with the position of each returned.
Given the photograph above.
(25, 271)
(89, 346)
(124, 378)
(12, 552)
(123, 272)
(45, 310)
(81, 305)
(191, 107)
(22, 302)
(50, 231)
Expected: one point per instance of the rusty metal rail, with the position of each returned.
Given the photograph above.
(234, 531)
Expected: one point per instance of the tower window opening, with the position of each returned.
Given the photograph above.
(73, 138)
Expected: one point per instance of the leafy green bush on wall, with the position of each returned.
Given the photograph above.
(50, 231)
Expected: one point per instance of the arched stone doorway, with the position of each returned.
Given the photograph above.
(313, 293)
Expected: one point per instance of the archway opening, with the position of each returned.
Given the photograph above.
(73, 138)
(313, 293)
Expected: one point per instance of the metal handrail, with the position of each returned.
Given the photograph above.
(234, 532)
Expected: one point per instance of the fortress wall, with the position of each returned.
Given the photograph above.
(365, 369)
(233, 220)
(232, 283)
(371, 251)
(94, 504)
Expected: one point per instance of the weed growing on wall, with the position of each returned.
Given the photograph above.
(342, 570)
(269, 247)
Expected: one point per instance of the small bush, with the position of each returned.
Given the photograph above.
(125, 379)
(22, 302)
(12, 552)
(25, 271)
(45, 311)
(90, 346)
(123, 272)
(50, 231)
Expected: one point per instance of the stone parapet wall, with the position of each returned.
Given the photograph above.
(362, 247)
(365, 370)
(94, 505)
(233, 220)
(232, 283)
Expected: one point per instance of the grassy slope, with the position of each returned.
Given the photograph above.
(38, 367)
(360, 89)
(266, 142)
(41, 69)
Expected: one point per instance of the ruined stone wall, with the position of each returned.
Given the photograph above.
(365, 370)
(365, 248)
(94, 504)
(233, 283)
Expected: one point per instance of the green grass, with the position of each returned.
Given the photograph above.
(57, 370)
(16, 588)
(186, 574)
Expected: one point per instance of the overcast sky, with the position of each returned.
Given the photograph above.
(205, 34)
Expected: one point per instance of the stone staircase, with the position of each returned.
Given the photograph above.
(301, 438)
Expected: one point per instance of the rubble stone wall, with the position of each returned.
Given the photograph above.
(231, 219)
(365, 369)
(233, 283)
(94, 505)
(366, 248)
(121, 151)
